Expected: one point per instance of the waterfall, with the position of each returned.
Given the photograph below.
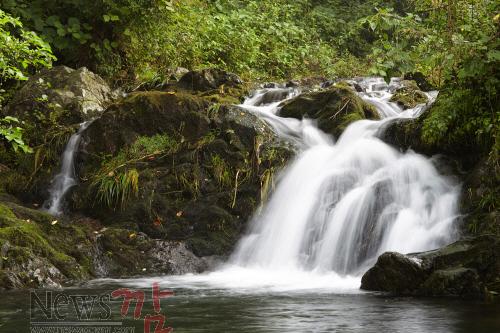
(340, 204)
(337, 205)
(66, 178)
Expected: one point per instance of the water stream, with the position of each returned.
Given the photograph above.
(66, 177)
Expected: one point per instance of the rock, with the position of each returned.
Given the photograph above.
(177, 73)
(334, 108)
(271, 85)
(174, 258)
(201, 190)
(208, 79)
(51, 105)
(147, 113)
(272, 95)
(122, 253)
(394, 272)
(409, 95)
(420, 80)
(62, 95)
(38, 253)
(466, 268)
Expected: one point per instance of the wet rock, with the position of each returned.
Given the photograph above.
(271, 85)
(123, 253)
(272, 95)
(334, 108)
(394, 272)
(408, 95)
(467, 268)
(208, 79)
(174, 258)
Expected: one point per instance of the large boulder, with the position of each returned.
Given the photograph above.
(334, 108)
(61, 95)
(467, 268)
(194, 170)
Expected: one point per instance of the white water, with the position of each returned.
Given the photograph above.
(337, 206)
(66, 178)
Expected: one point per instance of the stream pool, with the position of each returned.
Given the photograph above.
(229, 310)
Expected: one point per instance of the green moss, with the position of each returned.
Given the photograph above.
(334, 109)
(6, 212)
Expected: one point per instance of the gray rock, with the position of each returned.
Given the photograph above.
(76, 95)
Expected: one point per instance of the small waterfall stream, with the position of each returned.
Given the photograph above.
(66, 178)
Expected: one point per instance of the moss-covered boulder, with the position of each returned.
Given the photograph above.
(334, 108)
(179, 167)
(39, 251)
(409, 95)
(36, 249)
(467, 268)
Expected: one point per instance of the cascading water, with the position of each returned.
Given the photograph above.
(340, 205)
(65, 179)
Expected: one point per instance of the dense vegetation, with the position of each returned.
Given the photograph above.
(451, 45)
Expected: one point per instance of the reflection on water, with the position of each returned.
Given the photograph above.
(222, 310)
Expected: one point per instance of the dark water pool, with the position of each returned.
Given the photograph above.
(216, 310)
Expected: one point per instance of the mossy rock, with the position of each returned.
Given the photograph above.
(334, 109)
(409, 95)
(35, 249)
(205, 189)
(148, 113)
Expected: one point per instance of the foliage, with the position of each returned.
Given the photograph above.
(13, 134)
(266, 39)
(456, 46)
(21, 51)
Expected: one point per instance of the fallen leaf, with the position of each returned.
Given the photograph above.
(54, 222)
(179, 213)
(132, 235)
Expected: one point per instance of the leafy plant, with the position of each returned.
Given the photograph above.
(13, 134)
